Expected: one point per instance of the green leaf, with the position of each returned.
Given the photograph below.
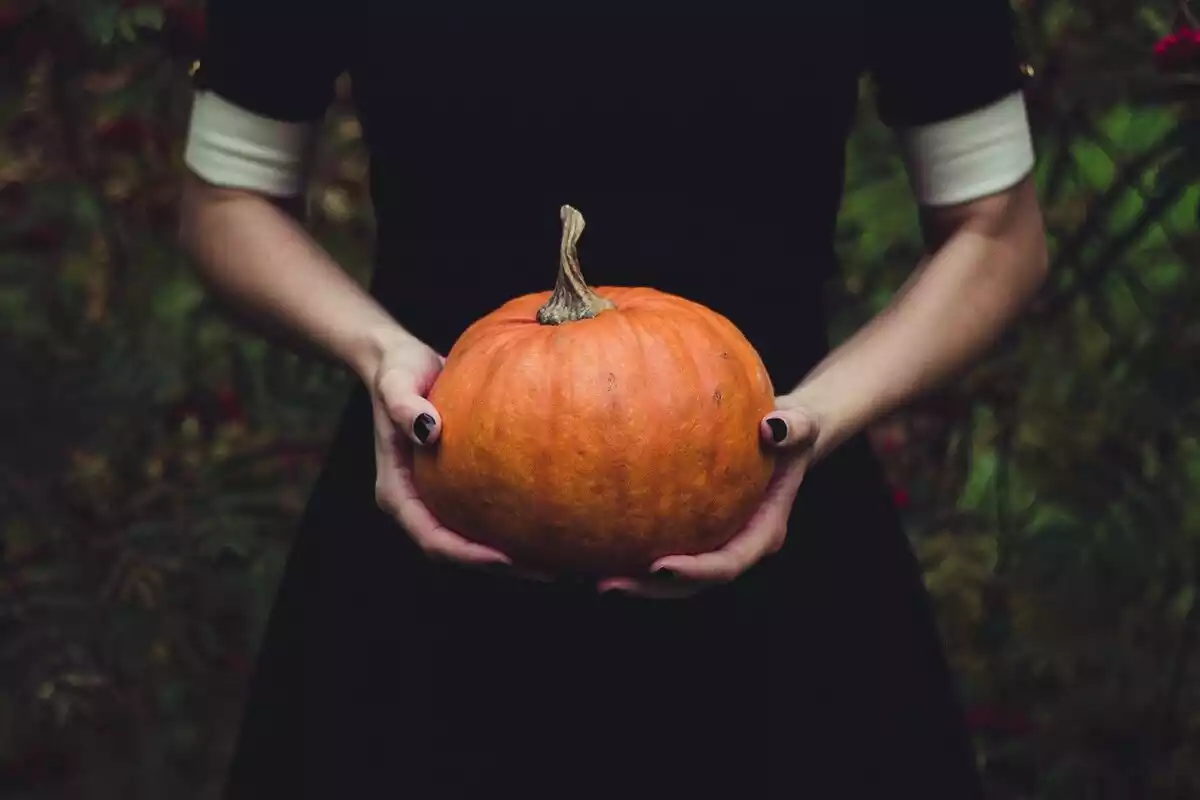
(1165, 275)
(1093, 164)
(1132, 132)
(1183, 602)
(980, 480)
(148, 16)
(1182, 216)
(86, 208)
(126, 28)
(100, 22)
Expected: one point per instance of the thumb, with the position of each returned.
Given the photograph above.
(788, 428)
(412, 414)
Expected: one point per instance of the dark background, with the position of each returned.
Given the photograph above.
(153, 458)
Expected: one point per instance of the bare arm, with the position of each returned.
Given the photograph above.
(260, 259)
(262, 89)
(255, 254)
(989, 259)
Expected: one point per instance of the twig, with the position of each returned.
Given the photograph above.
(1180, 665)
(1102, 208)
(1184, 16)
(1108, 147)
(1099, 214)
(1092, 277)
(36, 506)
(67, 104)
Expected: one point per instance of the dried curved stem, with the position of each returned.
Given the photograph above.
(572, 299)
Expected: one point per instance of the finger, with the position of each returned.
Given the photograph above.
(441, 543)
(398, 498)
(650, 589)
(412, 414)
(763, 535)
(788, 428)
(753, 543)
(527, 575)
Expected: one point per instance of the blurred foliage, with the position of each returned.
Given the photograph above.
(155, 458)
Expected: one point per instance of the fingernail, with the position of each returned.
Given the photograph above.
(779, 429)
(423, 425)
(665, 573)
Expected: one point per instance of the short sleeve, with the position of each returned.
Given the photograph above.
(266, 77)
(948, 79)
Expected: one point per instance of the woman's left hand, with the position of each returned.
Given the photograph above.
(792, 432)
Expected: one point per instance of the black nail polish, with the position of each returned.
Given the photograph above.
(779, 429)
(423, 425)
(665, 574)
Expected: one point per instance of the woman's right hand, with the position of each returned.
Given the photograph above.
(404, 419)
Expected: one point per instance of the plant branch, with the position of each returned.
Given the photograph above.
(1107, 261)
(69, 108)
(1180, 665)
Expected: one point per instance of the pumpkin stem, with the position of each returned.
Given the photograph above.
(572, 299)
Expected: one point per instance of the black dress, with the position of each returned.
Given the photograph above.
(705, 149)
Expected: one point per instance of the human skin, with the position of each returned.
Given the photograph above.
(987, 258)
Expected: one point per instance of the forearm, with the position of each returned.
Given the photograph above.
(261, 260)
(948, 313)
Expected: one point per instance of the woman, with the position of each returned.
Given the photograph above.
(706, 151)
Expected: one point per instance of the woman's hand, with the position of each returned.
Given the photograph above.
(405, 419)
(792, 431)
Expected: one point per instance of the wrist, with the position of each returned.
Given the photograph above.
(367, 352)
(836, 418)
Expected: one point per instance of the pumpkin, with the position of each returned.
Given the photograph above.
(594, 431)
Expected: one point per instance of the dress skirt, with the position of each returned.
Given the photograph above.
(817, 674)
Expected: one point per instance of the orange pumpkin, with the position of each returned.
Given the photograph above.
(596, 431)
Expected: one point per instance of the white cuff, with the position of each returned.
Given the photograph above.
(971, 156)
(235, 148)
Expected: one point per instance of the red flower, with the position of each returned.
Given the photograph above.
(24, 37)
(40, 238)
(35, 766)
(238, 664)
(989, 719)
(1178, 51)
(888, 438)
(229, 406)
(13, 197)
(900, 497)
(292, 458)
(9, 18)
(182, 34)
(124, 133)
(187, 20)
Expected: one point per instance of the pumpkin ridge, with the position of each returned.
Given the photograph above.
(691, 376)
(726, 334)
(534, 464)
(624, 493)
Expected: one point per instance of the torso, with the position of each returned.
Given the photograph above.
(708, 163)
(710, 167)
